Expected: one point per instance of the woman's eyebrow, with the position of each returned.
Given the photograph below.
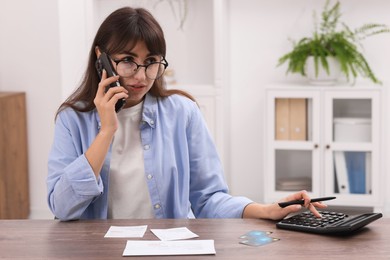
(128, 53)
(135, 55)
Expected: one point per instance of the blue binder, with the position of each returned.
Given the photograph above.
(356, 167)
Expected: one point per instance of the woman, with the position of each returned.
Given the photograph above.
(154, 158)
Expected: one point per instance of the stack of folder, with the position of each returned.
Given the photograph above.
(291, 119)
(293, 184)
(352, 172)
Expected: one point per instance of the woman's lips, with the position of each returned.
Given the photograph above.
(134, 87)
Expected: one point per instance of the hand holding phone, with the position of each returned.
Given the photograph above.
(103, 62)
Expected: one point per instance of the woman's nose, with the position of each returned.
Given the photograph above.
(140, 74)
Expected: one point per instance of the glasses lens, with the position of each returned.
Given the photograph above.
(126, 68)
(155, 70)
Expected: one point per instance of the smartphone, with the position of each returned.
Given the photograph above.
(103, 62)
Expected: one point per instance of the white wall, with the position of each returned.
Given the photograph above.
(35, 59)
(30, 62)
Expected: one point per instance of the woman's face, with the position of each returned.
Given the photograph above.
(137, 84)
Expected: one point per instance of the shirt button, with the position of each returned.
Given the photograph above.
(149, 176)
(151, 122)
(146, 147)
(157, 206)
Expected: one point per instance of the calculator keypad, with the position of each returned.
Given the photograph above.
(309, 220)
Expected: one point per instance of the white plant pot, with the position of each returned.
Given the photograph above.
(323, 78)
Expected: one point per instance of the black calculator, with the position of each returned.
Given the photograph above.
(330, 223)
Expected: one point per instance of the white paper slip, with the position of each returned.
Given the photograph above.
(126, 231)
(174, 233)
(181, 247)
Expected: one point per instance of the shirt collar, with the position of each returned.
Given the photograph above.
(149, 114)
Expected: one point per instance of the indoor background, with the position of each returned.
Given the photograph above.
(225, 53)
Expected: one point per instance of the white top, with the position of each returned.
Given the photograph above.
(128, 193)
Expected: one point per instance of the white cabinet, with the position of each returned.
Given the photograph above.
(325, 140)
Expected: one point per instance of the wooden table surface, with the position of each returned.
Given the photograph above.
(52, 239)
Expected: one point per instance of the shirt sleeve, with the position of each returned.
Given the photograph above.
(71, 183)
(208, 191)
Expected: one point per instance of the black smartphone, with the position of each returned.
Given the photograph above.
(103, 62)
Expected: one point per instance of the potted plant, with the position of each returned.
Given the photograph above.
(331, 45)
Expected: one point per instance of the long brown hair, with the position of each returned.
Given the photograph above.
(122, 27)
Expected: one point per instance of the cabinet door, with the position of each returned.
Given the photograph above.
(292, 143)
(352, 146)
(14, 192)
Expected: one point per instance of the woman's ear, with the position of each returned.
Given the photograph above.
(97, 51)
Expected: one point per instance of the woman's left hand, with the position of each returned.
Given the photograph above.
(275, 212)
(279, 213)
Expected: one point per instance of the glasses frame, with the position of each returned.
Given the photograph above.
(162, 62)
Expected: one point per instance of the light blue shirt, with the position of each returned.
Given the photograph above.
(182, 169)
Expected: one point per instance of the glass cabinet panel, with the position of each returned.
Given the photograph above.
(352, 172)
(293, 119)
(352, 120)
(293, 170)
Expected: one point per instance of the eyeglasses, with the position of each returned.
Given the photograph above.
(127, 68)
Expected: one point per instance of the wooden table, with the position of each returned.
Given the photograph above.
(52, 239)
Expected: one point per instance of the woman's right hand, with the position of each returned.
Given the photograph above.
(105, 105)
(105, 102)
